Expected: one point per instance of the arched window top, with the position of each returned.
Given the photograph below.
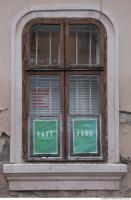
(64, 43)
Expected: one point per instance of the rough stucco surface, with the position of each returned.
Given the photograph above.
(120, 10)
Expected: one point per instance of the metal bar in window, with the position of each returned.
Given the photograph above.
(59, 53)
(36, 51)
(76, 48)
(90, 48)
(90, 96)
(50, 49)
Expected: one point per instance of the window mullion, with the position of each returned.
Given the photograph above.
(63, 114)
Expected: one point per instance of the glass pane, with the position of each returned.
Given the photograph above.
(33, 48)
(84, 95)
(84, 134)
(95, 57)
(55, 49)
(45, 45)
(84, 114)
(83, 48)
(72, 49)
(84, 45)
(43, 40)
(44, 115)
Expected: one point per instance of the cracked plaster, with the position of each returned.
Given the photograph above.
(4, 120)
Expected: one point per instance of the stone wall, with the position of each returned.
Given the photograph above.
(125, 157)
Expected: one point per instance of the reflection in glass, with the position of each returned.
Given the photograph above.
(45, 45)
(84, 45)
(84, 95)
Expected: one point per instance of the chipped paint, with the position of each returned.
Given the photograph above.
(2, 143)
(4, 120)
(125, 136)
(125, 116)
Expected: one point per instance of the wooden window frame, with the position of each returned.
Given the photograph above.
(26, 43)
(65, 68)
(102, 32)
(26, 111)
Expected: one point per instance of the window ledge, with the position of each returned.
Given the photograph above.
(64, 176)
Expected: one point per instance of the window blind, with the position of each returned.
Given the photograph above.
(44, 115)
(84, 45)
(84, 115)
(84, 95)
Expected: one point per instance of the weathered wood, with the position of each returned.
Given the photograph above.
(64, 70)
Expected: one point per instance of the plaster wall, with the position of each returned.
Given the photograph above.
(120, 11)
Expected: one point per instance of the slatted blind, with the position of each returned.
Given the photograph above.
(84, 95)
(84, 114)
(44, 99)
(44, 110)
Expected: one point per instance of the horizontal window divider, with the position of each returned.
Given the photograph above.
(84, 65)
(92, 158)
(46, 159)
(64, 69)
(82, 158)
(83, 68)
(56, 160)
(42, 72)
(66, 66)
(43, 66)
(32, 116)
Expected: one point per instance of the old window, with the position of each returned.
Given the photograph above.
(64, 90)
(64, 175)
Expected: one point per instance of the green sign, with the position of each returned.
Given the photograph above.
(84, 136)
(45, 136)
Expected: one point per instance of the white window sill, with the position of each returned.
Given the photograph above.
(64, 176)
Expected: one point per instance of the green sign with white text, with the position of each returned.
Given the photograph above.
(84, 136)
(45, 136)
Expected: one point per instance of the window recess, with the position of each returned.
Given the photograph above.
(22, 175)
